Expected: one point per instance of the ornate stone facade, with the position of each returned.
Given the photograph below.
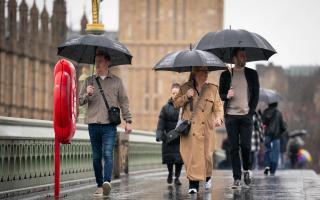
(150, 29)
(27, 57)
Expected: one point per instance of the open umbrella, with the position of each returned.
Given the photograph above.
(222, 43)
(269, 96)
(183, 61)
(303, 157)
(298, 133)
(83, 49)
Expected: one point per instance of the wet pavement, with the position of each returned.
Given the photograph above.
(286, 185)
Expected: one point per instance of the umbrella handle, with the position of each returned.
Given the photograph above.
(191, 103)
(91, 83)
(91, 78)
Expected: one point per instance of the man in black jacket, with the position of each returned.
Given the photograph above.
(239, 89)
(275, 128)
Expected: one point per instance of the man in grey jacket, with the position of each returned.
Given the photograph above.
(102, 133)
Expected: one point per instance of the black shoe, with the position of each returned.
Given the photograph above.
(266, 171)
(194, 185)
(169, 179)
(236, 184)
(177, 181)
(247, 177)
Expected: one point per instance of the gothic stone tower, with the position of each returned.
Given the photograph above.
(27, 57)
(150, 29)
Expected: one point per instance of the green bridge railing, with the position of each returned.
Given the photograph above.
(27, 149)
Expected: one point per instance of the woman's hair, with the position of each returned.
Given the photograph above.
(175, 85)
(192, 73)
(194, 70)
(191, 76)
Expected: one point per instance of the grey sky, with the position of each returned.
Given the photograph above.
(291, 26)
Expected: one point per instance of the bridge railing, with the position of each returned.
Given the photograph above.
(26, 153)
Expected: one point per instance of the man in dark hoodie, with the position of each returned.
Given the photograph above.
(239, 89)
(274, 128)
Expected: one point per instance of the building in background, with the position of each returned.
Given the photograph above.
(28, 49)
(299, 87)
(150, 29)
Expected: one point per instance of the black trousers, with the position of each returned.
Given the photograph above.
(178, 169)
(239, 128)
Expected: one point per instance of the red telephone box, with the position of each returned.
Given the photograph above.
(64, 112)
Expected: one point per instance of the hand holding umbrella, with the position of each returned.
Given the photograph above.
(230, 94)
(90, 89)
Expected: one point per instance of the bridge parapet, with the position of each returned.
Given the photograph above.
(26, 153)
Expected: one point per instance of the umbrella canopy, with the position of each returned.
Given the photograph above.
(304, 156)
(298, 133)
(222, 43)
(83, 49)
(269, 96)
(183, 61)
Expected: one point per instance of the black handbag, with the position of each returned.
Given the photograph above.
(183, 126)
(171, 136)
(113, 112)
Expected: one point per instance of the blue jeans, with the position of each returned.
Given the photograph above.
(102, 138)
(271, 156)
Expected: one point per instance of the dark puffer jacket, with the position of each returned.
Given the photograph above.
(168, 119)
(275, 126)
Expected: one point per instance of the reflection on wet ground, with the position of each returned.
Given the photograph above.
(289, 184)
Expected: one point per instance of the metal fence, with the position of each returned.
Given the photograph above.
(27, 147)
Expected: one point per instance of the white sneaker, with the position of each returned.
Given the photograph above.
(208, 184)
(106, 186)
(236, 184)
(192, 191)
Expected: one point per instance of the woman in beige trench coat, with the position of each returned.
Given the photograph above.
(197, 148)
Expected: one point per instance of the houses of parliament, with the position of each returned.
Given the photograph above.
(149, 28)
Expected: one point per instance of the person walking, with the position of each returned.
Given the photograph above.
(239, 89)
(295, 144)
(101, 131)
(167, 122)
(197, 147)
(274, 129)
(256, 139)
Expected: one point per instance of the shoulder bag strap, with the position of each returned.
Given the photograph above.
(102, 93)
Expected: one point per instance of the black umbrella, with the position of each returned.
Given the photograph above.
(222, 43)
(183, 61)
(83, 49)
(269, 96)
